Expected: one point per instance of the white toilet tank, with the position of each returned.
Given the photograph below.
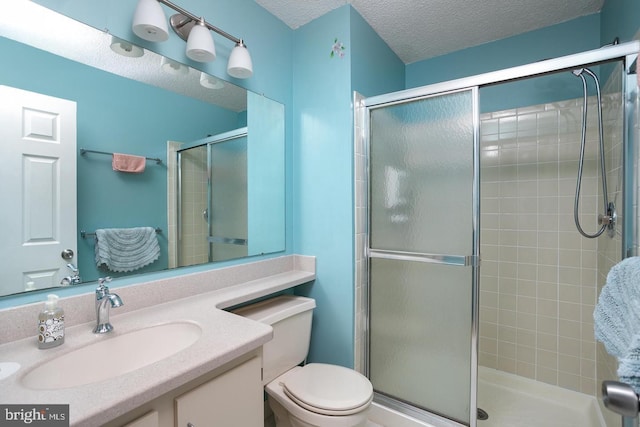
(290, 318)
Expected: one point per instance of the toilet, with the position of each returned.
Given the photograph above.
(313, 395)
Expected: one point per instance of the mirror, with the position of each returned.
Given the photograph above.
(153, 107)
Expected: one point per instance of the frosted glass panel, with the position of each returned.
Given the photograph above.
(228, 210)
(421, 160)
(420, 335)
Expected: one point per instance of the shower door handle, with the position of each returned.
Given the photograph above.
(205, 215)
(460, 260)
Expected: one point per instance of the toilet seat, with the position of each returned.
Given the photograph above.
(328, 389)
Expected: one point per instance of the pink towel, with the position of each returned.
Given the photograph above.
(128, 163)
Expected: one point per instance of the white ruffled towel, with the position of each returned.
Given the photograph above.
(126, 249)
(617, 319)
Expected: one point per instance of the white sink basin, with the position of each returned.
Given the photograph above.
(113, 356)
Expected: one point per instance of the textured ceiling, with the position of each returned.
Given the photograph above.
(421, 29)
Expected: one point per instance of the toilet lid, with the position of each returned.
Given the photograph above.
(329, 389)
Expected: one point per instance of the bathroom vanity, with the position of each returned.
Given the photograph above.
(209, 372)
(230, 395)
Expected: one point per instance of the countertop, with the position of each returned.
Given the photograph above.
(225, 337)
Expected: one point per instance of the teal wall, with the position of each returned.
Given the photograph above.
(265, 177)
(562, 39)
(569, 37)
(323, 162)
(375, 68)
(322, 167)
(619, 18)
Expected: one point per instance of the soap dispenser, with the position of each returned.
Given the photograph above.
(50, 324)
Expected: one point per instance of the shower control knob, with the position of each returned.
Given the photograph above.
(604, 219)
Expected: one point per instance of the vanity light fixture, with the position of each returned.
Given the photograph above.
(151, 25)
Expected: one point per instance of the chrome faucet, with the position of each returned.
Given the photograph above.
(104, 300)
(74, 279)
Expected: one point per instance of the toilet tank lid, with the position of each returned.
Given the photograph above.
(276, 309)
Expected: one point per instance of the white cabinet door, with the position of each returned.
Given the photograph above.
(37, 188)
(233, 399)
(150, 419)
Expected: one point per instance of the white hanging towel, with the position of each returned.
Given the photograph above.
(126, 249)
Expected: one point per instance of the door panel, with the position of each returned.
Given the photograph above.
(422, 154)
(228, 199)
(420, 334)
(423, 246)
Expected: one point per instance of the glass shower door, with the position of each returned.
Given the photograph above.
(423, 253)
(227, 213)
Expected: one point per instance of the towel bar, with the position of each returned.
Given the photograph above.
(84, 150)
(85, 234)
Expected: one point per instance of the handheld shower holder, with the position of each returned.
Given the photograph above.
(609, 219)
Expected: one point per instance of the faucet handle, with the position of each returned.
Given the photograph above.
(102, 290)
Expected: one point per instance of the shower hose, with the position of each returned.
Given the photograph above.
(605, 219)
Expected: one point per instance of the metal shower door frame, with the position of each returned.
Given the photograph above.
(628, 54)
(206, 142)
(465, 260)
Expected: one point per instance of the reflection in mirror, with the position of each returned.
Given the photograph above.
(132, 101)
(212, 199)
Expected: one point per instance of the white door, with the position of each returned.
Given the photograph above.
(37, 189)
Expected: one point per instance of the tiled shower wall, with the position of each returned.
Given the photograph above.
(539, 276)
(192, 246)
(360, 220)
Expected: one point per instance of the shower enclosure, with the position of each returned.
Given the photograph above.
(212, 199)
(470, 259)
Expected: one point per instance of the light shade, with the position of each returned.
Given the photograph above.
(173, 67)
(125, 48)
(240, 65)
(200, 45)
(210, 82)
(149, 21)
